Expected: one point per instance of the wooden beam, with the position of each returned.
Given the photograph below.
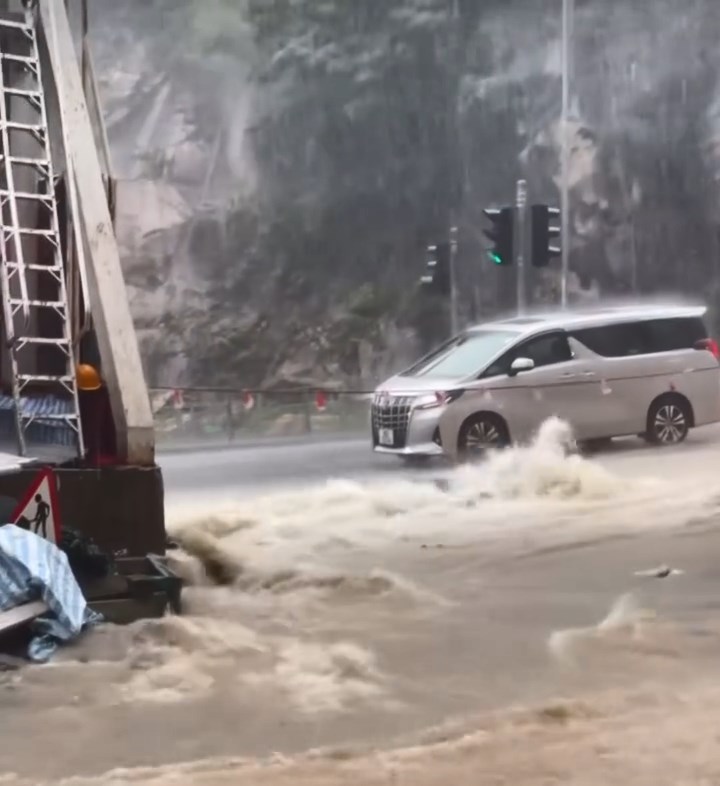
(121, 365)
(21, 615)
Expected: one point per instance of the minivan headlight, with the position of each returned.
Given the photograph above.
(440, 398)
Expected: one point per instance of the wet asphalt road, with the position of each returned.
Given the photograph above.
(295, 462)
(286, 463)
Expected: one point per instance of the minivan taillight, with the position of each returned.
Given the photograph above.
(710, 345)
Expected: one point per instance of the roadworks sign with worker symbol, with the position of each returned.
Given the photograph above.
(38, 511)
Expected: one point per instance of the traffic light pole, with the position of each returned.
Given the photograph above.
(453, 282)
(567, 65)
(520, 243)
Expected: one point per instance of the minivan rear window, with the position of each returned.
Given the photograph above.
(643, 338)
(464, 355)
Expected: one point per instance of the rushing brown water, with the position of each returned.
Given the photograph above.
(489, 629)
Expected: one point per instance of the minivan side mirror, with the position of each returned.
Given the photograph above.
(521, 364)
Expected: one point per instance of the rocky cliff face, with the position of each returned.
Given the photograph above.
(286, 163)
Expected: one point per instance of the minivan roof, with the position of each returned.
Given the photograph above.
(591, 317)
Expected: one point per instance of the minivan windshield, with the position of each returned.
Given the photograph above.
(463, 355)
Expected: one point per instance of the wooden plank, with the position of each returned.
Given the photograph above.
(21, 615)
(116, 336)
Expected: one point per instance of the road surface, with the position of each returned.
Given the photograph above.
(304, 460)
(282, 463)
(389, 622)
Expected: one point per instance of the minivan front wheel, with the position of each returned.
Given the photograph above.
(668, 421)
(480, 433)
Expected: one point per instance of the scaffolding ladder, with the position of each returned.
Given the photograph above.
(31, 257)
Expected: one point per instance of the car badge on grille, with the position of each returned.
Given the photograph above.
(383, 398)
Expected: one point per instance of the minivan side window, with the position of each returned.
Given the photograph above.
(613, 341)
(666, 335)
(642, 338)
(543, 350)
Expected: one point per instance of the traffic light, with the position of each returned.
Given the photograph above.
(543, 250)
(438, 277)
(500, 234)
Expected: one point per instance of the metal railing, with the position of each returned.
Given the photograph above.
(189, 416)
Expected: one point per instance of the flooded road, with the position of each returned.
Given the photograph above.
(484, 625)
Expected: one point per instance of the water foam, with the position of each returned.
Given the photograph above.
(319, 679)
(344, 514)
(548, 469)
(625, 620)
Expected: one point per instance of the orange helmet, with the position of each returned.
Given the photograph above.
(88, 377)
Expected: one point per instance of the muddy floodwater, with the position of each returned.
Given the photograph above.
(491, 625)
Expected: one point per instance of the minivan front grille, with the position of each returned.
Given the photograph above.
(392, 413)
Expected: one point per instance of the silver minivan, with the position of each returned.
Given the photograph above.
(608, 371)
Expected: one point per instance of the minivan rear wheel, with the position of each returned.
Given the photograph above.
(480, 433)
(668, 421)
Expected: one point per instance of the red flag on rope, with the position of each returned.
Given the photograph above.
(248, 400)
(320, 401)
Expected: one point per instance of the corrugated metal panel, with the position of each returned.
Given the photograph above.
(48, 432)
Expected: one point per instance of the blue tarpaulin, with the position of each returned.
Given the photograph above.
(32, 568)
(48, 431)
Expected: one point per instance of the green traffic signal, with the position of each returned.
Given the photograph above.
(500, 235)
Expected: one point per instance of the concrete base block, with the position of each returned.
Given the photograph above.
(120, 508)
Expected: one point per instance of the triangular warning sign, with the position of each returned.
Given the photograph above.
(39, 511)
